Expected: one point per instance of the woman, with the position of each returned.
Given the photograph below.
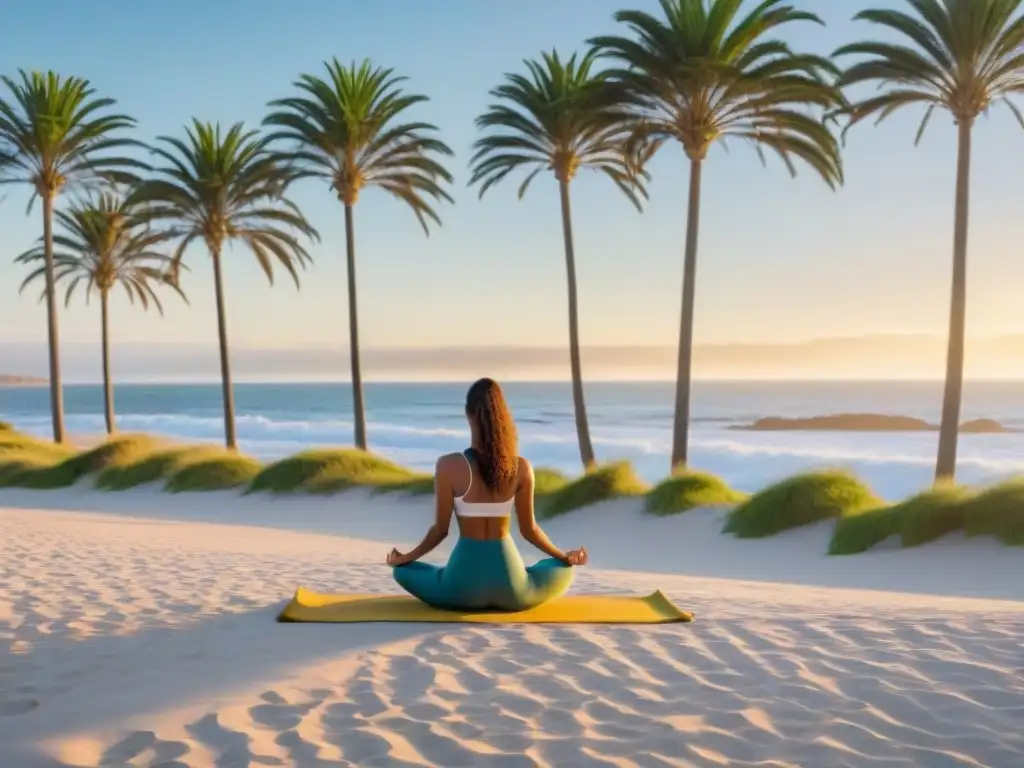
(482, 485)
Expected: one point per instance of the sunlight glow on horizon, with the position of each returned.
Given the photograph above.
(781, 259)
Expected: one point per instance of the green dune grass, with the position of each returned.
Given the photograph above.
(71, 468)
(22, 455)
(158, 466)
(932, 514)
(801, 500)
(331, 470)
(211, 472)
(548, 481)
(12, 441)
(918, 520)
(862, 521)
(854, 534)
(689, 490)
(997, 512)
(609, 481)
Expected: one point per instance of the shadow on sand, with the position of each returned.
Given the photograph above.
(88, 685)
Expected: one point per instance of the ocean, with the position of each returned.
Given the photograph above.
(412, 423)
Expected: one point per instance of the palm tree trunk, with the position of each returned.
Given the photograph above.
(681, 425)
(56, 390)
(225, 365)
(108, 387)
(579, 404)
(945, 464)
(358, 408)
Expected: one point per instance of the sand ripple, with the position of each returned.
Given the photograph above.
(152, 644)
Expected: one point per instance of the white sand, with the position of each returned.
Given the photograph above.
(134, 633)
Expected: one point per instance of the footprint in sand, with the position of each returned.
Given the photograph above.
(17, 707)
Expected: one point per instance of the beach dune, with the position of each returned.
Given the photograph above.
(135, 631)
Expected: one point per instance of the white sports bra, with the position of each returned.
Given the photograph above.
(481, 508)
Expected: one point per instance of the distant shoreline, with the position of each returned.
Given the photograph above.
(8, 380)
(865, 422)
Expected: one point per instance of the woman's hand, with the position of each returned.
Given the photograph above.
(396, 558)
(577, 556)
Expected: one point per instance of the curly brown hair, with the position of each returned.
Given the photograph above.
(498, 456)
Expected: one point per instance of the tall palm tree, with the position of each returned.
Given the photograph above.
(959, 56)
(702, 73)
(105, 243)
(57, 135)
(562, 117)
(218, 187)
(347, 129)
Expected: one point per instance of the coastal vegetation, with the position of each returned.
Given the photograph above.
(695, 74)
(801, 500)
(688, 490)
(861, 521)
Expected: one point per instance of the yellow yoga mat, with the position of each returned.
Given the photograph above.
(309, 606)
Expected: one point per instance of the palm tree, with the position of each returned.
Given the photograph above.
(960, 56)
(703, 73)
(105, 243)
(216, 188)
(58, 134)
(347, 130)
(563, 117)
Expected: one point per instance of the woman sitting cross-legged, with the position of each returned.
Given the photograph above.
(483, 485)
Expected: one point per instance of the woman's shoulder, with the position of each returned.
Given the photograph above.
(525, 467)
(451, 461)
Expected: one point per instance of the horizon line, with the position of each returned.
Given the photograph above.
(213, 380)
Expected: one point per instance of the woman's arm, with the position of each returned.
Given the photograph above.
(444, 500)
(528, 526)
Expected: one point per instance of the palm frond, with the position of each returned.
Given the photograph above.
(58, 134)
(960, 56)
(218, 186)
(702, 71)
(349, 128)
(561, 117)
(101, 242)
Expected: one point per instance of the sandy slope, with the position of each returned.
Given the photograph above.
(145, 642)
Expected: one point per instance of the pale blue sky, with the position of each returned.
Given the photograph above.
(781, 259)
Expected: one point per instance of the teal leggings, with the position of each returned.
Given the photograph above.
(485, 575)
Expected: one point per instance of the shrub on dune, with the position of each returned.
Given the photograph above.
(997, 512)
(547, 481)
(22, 455)
(21, 461)
(606, 482)
(801, 500)
(688, 490)
(854, 534)
(12, 441)
(160, 465)
(932, 514)
(116, 451)
(326, 471)
(211, 472)
(918, 520)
